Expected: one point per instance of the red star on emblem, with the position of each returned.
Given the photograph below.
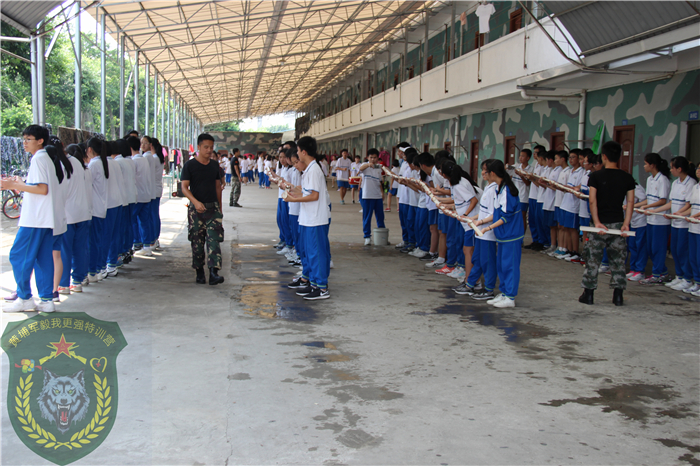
(62, 347)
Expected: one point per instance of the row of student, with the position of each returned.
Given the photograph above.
(304, 217)
(82, 213)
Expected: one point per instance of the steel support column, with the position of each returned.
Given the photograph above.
(78, 67)
(169, 139)
(155, 103)
(147, 88)
(136, 91)
(41, 76)
(103, 74)
(34, 76)
(122, 130)
(162, 111)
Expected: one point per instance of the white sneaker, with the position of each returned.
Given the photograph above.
(284, 250)
(673, 282)
(111, 271)
(454, 272)
(695, 293)
(554, 253)
(604, 269)
(629, 274)
(86, 282)
(572, 257)
(145, 251)
(421, 254)
(496, 299)
(692, 289)
(682, 285)
(101, 275)
(436, 264)
(505, 302)
(45, 306)
(20, 305)
(299, 273)
(156, 245)
(93, 277)
(368, 241)
(636, 276)
(565, 256)
(549, 250)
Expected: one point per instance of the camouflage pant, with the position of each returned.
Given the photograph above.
(235, 191)
(205, 228)
(617, 255)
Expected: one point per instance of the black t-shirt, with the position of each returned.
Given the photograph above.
(612, 186)
(202, 179)
(235, 163)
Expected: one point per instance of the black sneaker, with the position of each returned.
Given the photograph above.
(430, 257)
(298, 284)
(236, 205)
(483, 295)
(304, 291)
(407, 249)
(317, 293)
(464, 289)
(296, 263)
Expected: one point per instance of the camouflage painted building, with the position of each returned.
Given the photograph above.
(246, 142)
(659, 116)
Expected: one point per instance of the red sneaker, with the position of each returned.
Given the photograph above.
(445, 270)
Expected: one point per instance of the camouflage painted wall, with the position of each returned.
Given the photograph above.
(655, 109)
(247, 142)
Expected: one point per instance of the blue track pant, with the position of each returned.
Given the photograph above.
(369, 207)
(508, 259)
(657, 243)
(484, 263)
(317, 254)
(74, 253)
(32, 251)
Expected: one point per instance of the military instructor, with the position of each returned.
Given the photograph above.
(201, 183)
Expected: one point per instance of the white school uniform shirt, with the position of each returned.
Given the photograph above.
(413, 197)
(244, 166)
(128, 174)
(295, 179)
(402, 192)
(313, 214)
(569, 202)
(395, 184)
(333, 164)
(324, 167)
(343, 163)
(550, 194)
(542, 191)
(268, 165)
(43, 211)
(226, 163)
(88, 190)
(152, 170)
(486, 207)
(638, 220)
(425, 202)
(694, 208)
(99, 188)
(282, 173)
(158, 177)
(463, 193)
(115, 184)
(583, 210)
(261, 162)
(144, 178)
(372, 183)
(658, 187)
(77, 207)
(59, 204)
(523, 189)
(680, 195)
(563, 179)
(534, 189)
(355, 169)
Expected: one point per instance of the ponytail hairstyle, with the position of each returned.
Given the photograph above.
(76, 151)
(99, 147)
(157, 149)
(454, 173)
(497, 168)
(59, 158)
(685, 166)
(660, 163)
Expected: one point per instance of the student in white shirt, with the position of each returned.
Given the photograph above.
(658, 227)
(111, 236)
(570, 207)
(371, 194)
(521, 183)
(334, 175)
(97, 151)
(127, 166)
(354, 173)
(541, 170)
(548, 199)
(261, 170)
(294, 179)
(141, 213)
(679, 200)
(394, 190)
(561, 160)
(313, 224)
(402, 194)
(159, 160)
(267, 166)
(429, 175)
(637, 244)
(40, 215)
(74, 252)
(693, 210)
(64, 170)
(342, 169)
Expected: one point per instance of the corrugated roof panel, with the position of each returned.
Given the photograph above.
(598, 26)
(28, 14)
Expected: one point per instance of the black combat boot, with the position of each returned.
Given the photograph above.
(201, 279)
(617, 297)
(214, 278)
(587, 296)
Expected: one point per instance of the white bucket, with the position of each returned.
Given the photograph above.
(380, 236)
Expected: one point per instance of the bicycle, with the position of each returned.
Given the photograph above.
(12, 205)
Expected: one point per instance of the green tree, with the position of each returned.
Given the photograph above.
(226, 126)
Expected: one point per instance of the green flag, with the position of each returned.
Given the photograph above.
(598, 138)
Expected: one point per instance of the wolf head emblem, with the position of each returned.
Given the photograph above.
(63, 399)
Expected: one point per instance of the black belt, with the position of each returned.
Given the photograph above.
(211, 205)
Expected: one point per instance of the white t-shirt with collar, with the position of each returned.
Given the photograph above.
(43, 211)
(563, 179)
(99, 188)
(158, 177)
(534, 189)
(694, 208)
(550, 194)
(129, 176)
(371, 183)
(544, 173)
(658, 187)
(413, 196)
(484, 12)
(294, 179)
(115, 185)
(486, 208)
(77, 196)
(144, 178)
(463, 193)
(344, 174)
(569, 202)
(523, 189)
(680, 195)
(312, 214)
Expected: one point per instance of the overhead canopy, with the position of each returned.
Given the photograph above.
(602, 25)
(237, 59)
(24, 15)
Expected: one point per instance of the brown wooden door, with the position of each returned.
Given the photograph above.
(479, 39)
(474, 165)
(556, 141)
(426, 147)
(516, 19)
(448, 146)
(511, 150)
(624, 135)
(430, 63)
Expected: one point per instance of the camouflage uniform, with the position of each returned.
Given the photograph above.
(205, 227)
(617, 255)
(235, 190)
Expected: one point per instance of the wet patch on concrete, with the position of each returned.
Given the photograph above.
(320, 344)
(357, 438)
(239, 376)
(274, 302)
(331, 357)
(630, 400)
(693, 450)
(347, 392)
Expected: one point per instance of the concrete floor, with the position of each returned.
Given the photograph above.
(393, 369)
